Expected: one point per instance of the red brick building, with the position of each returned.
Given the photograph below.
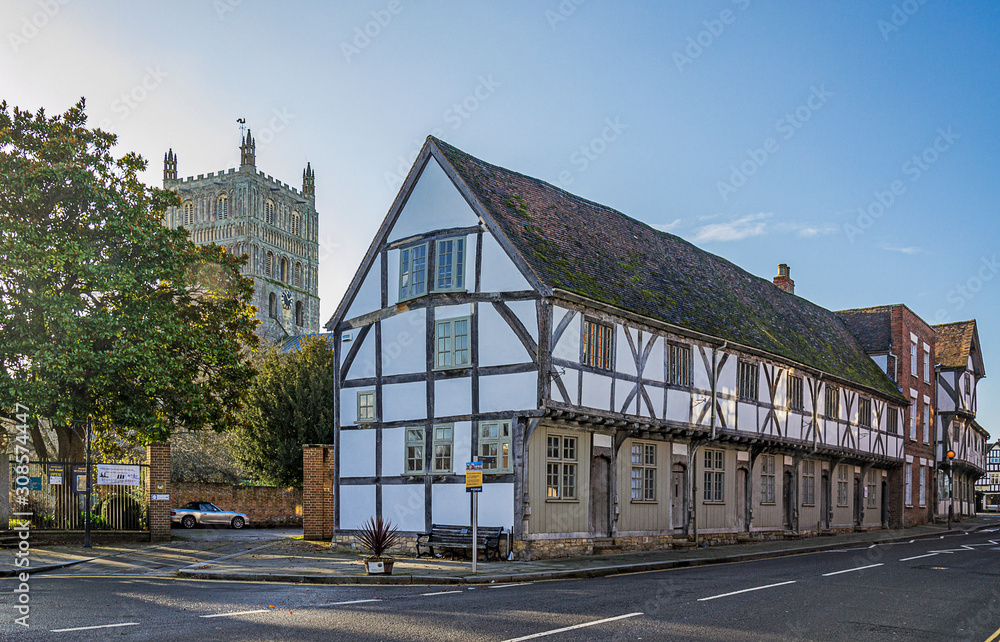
(903, 344)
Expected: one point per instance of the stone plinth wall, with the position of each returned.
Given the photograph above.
(263, 505)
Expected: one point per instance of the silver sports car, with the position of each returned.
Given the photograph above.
(206, 514)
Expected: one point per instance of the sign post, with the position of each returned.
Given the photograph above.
(474, 485)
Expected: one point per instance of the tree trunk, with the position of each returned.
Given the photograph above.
(71, 444)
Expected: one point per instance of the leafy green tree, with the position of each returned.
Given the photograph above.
(105, 313)
(291, 403)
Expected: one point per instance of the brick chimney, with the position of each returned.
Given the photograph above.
(784, 281)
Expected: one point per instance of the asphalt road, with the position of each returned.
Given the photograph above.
(939, 589)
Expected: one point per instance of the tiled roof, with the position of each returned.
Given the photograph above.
(871, 326)
(583, 247)
(954, 343)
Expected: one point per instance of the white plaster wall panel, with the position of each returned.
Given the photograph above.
(746, 417)
(461, 446)
(452, 311)
(654, 362)
(357, 504)
(434, 204)
(621, 392)
(782, 416)
(357, 453)
(701, 357)
(364, 361)
(678, 406)
(499, 272)
(496, 505)
(393, 451)
(508, 392)
(781, 393)
(453, 397)
(348, 407)
(945, 403)
(404, 401)
(450, 504)
(624, 361)
(728, 410)
(568, 346)
(403, 343)
(403, 505)
(807, 403)
(727, 375)
(369, 296)
(656, 397)
(570, 380)
(527, 313)
(596, 391)
(498, 345)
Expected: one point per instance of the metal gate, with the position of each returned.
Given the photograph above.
(56, 495)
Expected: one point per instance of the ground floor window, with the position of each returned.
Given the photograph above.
(715, 472)
(414, 450)
(444, 435)
(767, 479)
(560, 467)
(808, 483)
(908, 492)
(494, 446)
(923, 486)
(842, 477)
(643, 472)
(870, 485)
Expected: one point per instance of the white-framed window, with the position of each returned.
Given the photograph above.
(913, 358)
(865, 412)
(908, 488)
(892, 420)
(643, 472)
(832, 399)
(450, 262)
(412, 271)
(747, 380)
(366, 405)
(444, 439)
(767, 479)
(808, 483)
(714, 476)
(679, 364)
(222, 207)
(913, 417)
(923, 485)
(494, 446)
(560, 467)
(927, 363)
(870, 483)
(414, 450)
(795, 393)
(842, 477)
(451, 340)
(598, 342)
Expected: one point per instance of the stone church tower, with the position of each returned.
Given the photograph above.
(248, 212)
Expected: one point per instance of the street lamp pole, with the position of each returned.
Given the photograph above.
(86, 516)
(951, 486)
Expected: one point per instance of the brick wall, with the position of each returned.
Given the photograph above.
(263, 505)
(158, 483)
(317, 492)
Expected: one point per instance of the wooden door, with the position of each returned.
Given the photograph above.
(678, 499)
(786, 500)
(741, 500)
(824, 501)
(600, 506)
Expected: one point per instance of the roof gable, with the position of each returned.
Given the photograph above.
(956, 342)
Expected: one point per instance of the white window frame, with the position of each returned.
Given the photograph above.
(767, 479)
(927, 363)
(451, 348)
(908, 493)
(495, 443)
(871, 484)
(366, 406)
(808, 482)
(923, 485)
(843, 494)
(927, 419)
(913, 357)
(561, 468)
(913, 415)
(413, 450)
(643, 455)
(407, 272)
(714, 491)
(450, 276)
(443, 449)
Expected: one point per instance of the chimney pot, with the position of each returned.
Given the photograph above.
(783, 280)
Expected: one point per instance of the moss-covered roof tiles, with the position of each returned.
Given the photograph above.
(597, 252)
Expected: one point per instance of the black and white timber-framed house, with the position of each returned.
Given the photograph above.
(622, 387)
(959, 369)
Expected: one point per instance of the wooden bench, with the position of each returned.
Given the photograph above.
(450, 536)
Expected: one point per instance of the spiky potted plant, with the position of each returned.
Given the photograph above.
(378, 536)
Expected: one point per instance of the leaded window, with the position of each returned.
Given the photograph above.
(643, 472)
(494, 446)
(560, 467)
(714, 476)
(412, 271)
(597, 344)
(450, 262)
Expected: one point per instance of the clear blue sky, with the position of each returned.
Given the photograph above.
(840, 96)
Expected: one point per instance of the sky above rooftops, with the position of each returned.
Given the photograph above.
(855, 141)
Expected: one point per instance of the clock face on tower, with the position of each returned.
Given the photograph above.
(286, 300)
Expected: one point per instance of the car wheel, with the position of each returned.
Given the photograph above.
(237, 522)
(188, 521)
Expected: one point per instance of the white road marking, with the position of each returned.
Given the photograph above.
(948, 551)
(508, 585)
(756, 588)
(439, 593)
(851, 570)
(572, 628)
(238, 613)
(907, 559)
(90, 628)
(349, 602)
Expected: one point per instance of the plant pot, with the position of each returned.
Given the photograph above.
(379, 565)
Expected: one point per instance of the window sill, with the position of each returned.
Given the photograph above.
(812, 505)
(768, 503)
(644, 501)
(556, 500)
(713, 503)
